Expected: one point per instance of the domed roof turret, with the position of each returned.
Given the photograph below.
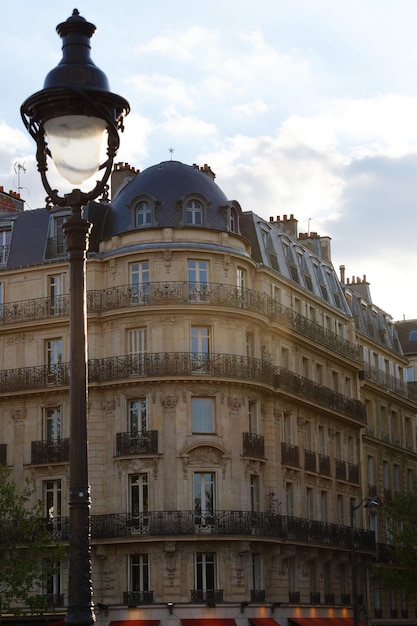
(166, 191)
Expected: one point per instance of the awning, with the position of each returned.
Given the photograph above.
(135, 622)
(263, 621)
(210, 621)
(323, 621)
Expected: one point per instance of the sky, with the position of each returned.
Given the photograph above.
(303, 107)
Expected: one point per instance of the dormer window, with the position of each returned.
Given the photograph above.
(194, 213)
(143, 214)
(5, 239)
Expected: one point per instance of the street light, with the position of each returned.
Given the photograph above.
(68, 119)
(367, 502)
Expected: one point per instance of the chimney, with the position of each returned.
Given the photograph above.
(342, 273)
(121, 174)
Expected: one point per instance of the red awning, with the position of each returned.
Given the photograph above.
(263, 621)
(135, 622)
(323, 621)
(208, 622)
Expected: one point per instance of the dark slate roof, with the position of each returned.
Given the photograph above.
(407, 334)
(166, 184)
(29, 235)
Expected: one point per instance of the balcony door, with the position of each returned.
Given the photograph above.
(139, 502)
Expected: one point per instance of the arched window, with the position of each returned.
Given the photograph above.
(194, 213)
(143, 214)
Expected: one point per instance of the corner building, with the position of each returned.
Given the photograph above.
(227, 427)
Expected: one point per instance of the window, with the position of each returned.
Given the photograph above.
(200, 347)
(410, 479)
(137, 341)
(143, 214)
(205, 574)
(351, 450)
(52, 496)
(257, 572)
(371, 471)
(324, 504)
(194, 213)
(253, 417)
(204, 495)
(322, 440)
(285, 358)
(53, 356)
(233, 220)
(202, 415)
(255, 504)
(56, 293)
(305, 366)
(137, 416)
(1, 299)
(312, 566)
(396, 478)
(5, 239)
(308, 436)
(53, 423)
(52, 582)
(338, 444)
(319, 373)
(289, 496)
(287, 427)
(139, 501)
(240, 280)
(197, 280)
(309, 503)
(56, 240)
(139, 281)
(340, 509)
(139, 575)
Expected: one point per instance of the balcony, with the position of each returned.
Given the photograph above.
(388, 382)
(345, 598)
(340, 469)
(257, 595)
(294, 597)
(324, 465)
(210, 596)
(314, 597)
(53, 600)
(144, 442)
(49, 451)
(220, 524)
(329, 598)
(253, 446)
(136, 598)
(306, 388)
(310, 461)
(353, 473)
(290, 454)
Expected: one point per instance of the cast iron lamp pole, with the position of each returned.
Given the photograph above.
(68, 119)
(369, 502)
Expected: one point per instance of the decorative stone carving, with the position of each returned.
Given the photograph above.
(169, 402)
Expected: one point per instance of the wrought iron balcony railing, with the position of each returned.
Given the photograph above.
(290, 454)
(329, 598)
(207, 595)
(219, 523)
(294, 597)
(136, 598)
(171, 293)
(3, 453)
(306, 388)
(340, 469)
(257, 595)
(324, 465)
(253, 445)
(353, 473)
(144, 442)
(314, 597)
(49, 451)
(310, 460)
(389, 382)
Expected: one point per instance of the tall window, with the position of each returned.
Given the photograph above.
(139, 575)
(202, 415)
(56, 293)
(287, 427)
(322, 441)
(194, 213)
(240, 279)
(1, 299)
(205, 573)
(197, 280)
(324, 502)
(255, 497)
(257, 572)
(137, 341)
(143, 214)
(308, 436)
(5, 239)
(340, 509)
(52, 496)
(338, 444)
(200, 347)
(253, 417)
(204, 496)
(53, 357)
(53, 423)
(56, 240)
(289, 495)
(137, 415)
(139, 281)
(139, 499)
(309, 503)
(53, 584)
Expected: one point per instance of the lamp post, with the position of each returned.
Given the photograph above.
(68, 119)
(367, 502)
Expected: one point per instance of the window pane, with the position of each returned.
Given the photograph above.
(202, 415)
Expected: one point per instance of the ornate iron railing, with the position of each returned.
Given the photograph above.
(310, 461)
(182, 292)
(3, 453)
(257, 595)
(253, 445)
(294, 597)
(50, 451)
(144, 442)
(324, 464)
(174, 364)
(207, 595)
(314, 597)
(353, 473)
(218, 523)
(382, 379)
(290, 454)
(135, 598)
(294, 383)
(340, 469)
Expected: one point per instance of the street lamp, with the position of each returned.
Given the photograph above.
(367, 502)
(68, 120)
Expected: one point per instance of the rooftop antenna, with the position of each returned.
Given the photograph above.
(18, 168)
(308, 226)
(171, 151)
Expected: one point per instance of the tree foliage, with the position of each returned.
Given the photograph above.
(400, 570)
(28, 554)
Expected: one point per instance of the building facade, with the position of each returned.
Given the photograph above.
(244, 403)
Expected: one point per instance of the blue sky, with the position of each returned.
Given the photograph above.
(306, 107)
